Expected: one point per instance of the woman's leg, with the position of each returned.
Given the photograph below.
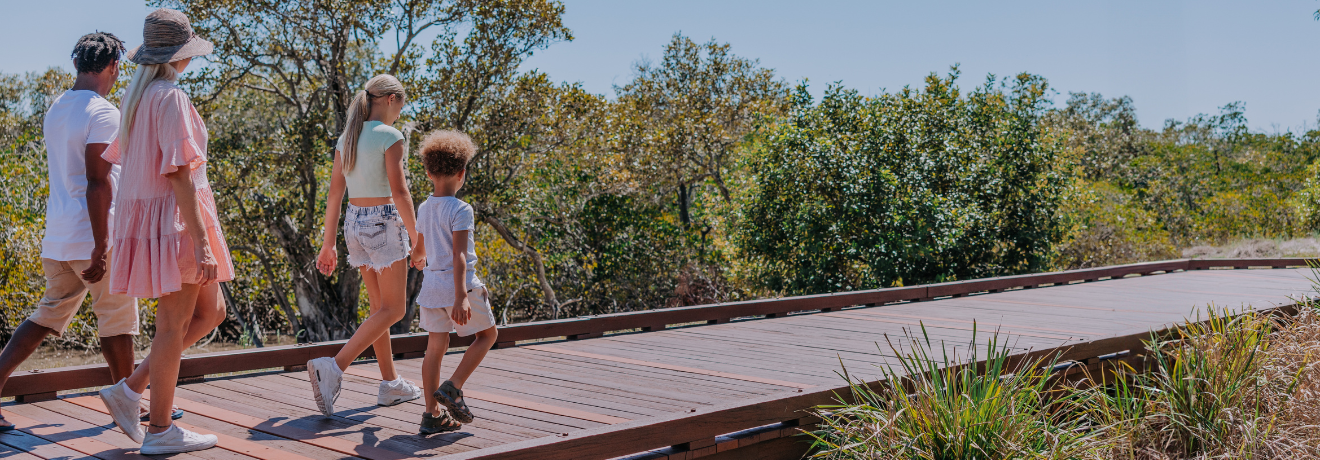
(208, 314)
(390, 285)
(173, 313)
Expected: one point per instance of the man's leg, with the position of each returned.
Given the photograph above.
(26, 339)
(64, 294)
(118, 353)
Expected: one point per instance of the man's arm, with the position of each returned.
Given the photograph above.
(99, 196)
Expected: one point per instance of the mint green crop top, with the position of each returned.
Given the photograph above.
(367, 179)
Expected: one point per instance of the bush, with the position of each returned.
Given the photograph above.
(910, 187)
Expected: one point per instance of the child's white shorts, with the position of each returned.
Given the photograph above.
(438, 319)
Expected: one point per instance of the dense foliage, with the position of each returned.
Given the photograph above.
(910, 187)
(704, 178)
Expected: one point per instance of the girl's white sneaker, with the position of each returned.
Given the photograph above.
(177, 440)
(326, 377)
(397, 391)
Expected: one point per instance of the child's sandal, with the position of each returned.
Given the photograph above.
(442, 424)
(452, 398)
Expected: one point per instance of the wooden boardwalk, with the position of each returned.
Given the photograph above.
(625, 394)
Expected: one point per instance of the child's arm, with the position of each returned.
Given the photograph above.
(462, 311)
(398, 176)
(328, 259)
(419, 252)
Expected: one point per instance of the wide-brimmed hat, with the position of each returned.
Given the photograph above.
(167, 36)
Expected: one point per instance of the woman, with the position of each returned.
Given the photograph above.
(369, 165)
(167, 238)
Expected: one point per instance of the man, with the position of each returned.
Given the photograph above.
(79, 126)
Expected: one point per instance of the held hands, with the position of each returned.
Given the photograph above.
(418, 255)
(327, 260)
(462, 310)
(94, 273)
(207, 268)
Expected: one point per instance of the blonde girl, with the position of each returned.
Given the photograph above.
(378, 226)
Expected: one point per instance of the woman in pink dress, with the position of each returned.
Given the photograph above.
(167, 238)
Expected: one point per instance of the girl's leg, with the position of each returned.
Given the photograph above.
(391, 283)
(208, 314)
(472, 357)
(173, 313)
(436, 346)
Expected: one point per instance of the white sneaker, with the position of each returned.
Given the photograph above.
(397, 391)
(177, 440)
(326, 377)
(124, 410)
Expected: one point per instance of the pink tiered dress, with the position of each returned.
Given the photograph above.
(153, 252)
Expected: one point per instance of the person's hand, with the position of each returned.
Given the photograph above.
(462, 311)
(207, 268)
(418, 256)
(94, 273)
(327, 260)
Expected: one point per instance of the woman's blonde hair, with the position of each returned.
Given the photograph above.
(359, 110)
(146, 74)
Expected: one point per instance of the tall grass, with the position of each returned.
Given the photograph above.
(1231, 385)
(940, 404)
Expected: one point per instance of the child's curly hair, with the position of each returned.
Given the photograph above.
(446, 153)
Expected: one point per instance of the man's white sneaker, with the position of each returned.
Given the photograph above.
(397, 391)
(123, 409)
(177, 440)
(326, 376)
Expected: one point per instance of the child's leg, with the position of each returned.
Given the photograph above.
(473, 356)
(436, 346)
(385, 289)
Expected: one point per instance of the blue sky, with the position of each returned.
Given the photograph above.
(1175, 58)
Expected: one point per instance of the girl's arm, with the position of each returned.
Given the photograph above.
(398, 177)
(328, 259)
(185, 196)
(462, 311)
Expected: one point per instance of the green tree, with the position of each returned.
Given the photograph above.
(915, 186)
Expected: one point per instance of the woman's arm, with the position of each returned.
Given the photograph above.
(328, 259)
(462, 311)
(185, 196)
(398, 177)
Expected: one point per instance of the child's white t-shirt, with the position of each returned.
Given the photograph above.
(437, 219)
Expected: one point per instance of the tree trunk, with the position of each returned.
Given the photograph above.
(404, 325)
(530, 252)
(328, 308)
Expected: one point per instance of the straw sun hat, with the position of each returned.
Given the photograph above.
(167, 36)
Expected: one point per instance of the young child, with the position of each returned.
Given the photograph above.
(452, 298)
(369, 165)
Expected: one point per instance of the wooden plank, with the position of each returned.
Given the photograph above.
(266, 426)
(72, 440)
(21, 440)
(227, 442)
(529, 405)
(693, 370)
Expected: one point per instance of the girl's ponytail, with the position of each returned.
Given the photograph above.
(360, 109)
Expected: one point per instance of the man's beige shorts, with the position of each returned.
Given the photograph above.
(116, 314)
(438, 319)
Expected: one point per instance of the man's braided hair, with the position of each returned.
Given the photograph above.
(95, 51)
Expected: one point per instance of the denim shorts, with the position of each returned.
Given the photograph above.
(375, 236)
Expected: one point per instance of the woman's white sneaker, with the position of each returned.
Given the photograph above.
(326, 376)
(124, 410)
(177, 440)
(397, 391)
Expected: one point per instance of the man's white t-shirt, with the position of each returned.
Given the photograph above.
(77, 118)
(437, 219)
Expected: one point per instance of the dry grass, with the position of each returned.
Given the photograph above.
(1251, 248)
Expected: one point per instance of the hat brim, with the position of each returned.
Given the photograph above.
(195, 46)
